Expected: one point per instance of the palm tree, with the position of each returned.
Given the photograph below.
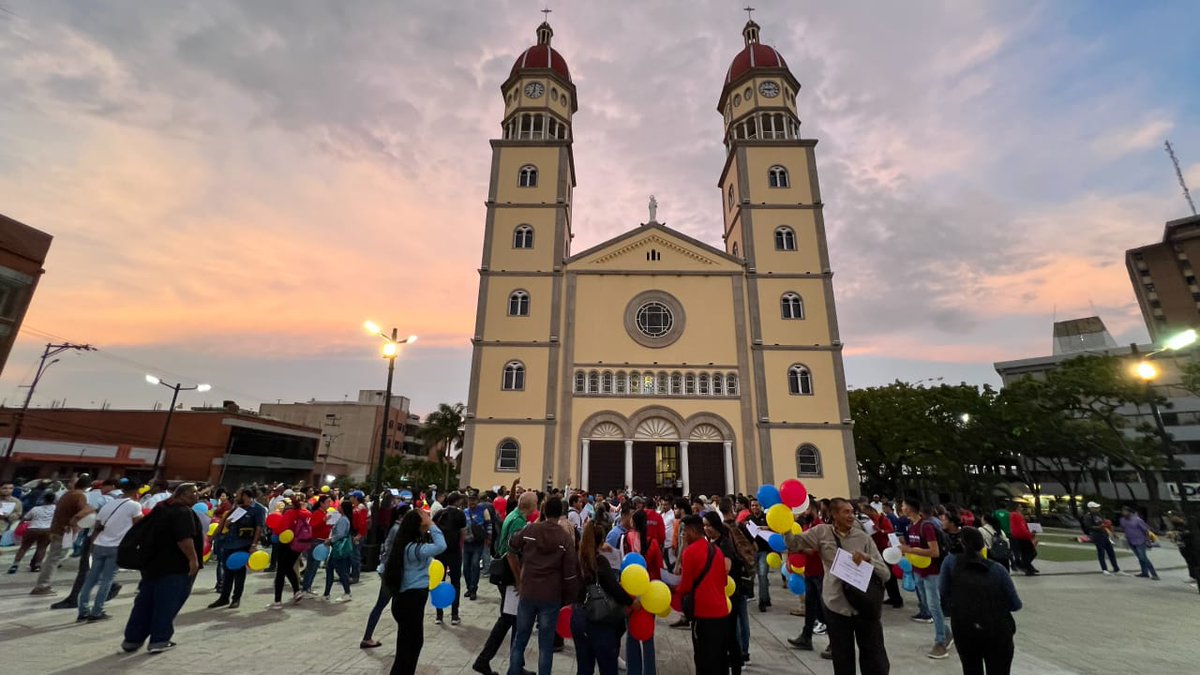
(443, 428)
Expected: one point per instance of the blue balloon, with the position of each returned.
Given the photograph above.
(442, 596)
(777, 543)
(768, 496)
(905, 564)
(320, 552)
(633, 559)
(200, 508)
(796, 584)
(237, 561)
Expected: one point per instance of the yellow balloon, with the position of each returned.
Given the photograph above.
(666, 613)
(773, 560)
(919, 561)
(657, 597)
(286, 537)
(728, 606)
(437, 573)
(984, 552)
(797, 570)
(331, 510)
(324, 488)
(779, 518)
(212, 529)
(259, 561)
(143, 490)
(635, 580)
(207, 556)
(796, 529)
(730, 586)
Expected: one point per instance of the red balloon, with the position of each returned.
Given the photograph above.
(145, 512)
(792, 492)
(275, 522)
(797, 560)
(676, 603)
(564, 622)
(207, 546)
(897, 572)
(501, 506)
(641, 625)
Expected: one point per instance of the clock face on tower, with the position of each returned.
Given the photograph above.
(768, 89)
(534, 90)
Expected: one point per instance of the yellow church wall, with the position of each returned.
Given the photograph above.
(708, 335)
(541, 256)
(834, 480)
(546, 161)
(673, 254)
(499, 404)
(807, 256)
(531, 440)
(811, 330)
(783, 406)
(759, 159)
(536, 326)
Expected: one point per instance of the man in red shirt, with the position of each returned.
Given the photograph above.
(1024, 541)
(710, 624)
(359, 524)
(655, 526)
(320, 532)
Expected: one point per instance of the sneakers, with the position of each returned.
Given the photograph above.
(746, 659)
(799, 611)
(158, 649)
(81, 618)
(439, 622)
(1106, 573)
(275, 605)
(297, 597)
(42, 590)
(1142, 576)
(819, 628)
(828, 653)
(454, 621)
(12, 569)
(65, 603)
(939, 651)
(235, 604)
(921, 618)
(621, 665)
(102, 616)
(803, 642)
(1154, 577)
(681, 623)
(344, 598)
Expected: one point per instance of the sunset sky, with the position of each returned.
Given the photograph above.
(233, 187)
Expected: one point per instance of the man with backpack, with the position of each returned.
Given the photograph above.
(979, 597)
(166, 547)
(477, 539)
(453, 524)
(926, 539)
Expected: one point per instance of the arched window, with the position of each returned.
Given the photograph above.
(606, 382)
(731, 195)
(523, 237)
(689, 384)
(635, 382)
(676, 384)
(800, 380)
(622, 382)
(808, 460)
(731, 385)
(580, 382)
(528, 176)
(792, 306)
(785, 238)
(718, 385)
(508, 455)
(777, 177)
(518, 303)
(648, 383)
(735, 249)
(663, 384)
(593, 382)
(702, 384)
(514, 376)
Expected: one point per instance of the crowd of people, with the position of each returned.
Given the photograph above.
(543, 552)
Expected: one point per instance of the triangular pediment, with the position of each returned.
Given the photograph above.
(654, 247)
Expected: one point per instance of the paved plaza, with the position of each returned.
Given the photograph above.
(1074, 621)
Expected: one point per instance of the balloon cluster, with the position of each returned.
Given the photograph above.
(655, 596)
(782, 504)
(893, 556)
(441, 592)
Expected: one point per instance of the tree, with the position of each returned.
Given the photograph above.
(440, 431)
(415, 474)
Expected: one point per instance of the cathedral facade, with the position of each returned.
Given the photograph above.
(654, 361)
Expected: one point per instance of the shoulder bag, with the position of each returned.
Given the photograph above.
(869, 603)
(600, 606)
(688, 601)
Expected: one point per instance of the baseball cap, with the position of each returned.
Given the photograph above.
(288, 493)
(357, 494)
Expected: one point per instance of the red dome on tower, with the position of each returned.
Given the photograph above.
(755, 55)
(542, 55)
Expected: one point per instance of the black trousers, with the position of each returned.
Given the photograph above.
(286, 567)
(85, 563)
(454, 565)
(502, 627)
(710, 645)
(235, 580)
(982, 652)
(844, 631)
(1027, 553)
(408, 609)
(814, 609)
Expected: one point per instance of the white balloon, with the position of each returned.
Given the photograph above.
(892, 555)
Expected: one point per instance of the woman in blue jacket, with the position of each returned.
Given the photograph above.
(407, 575)
(979, 597)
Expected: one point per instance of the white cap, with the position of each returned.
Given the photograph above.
(1093, 505)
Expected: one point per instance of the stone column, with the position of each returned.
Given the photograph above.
(583, 467)
(729, 467)
(628, 464)
(683, 468)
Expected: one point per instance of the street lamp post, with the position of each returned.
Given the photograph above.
(175, 389)
(51, 350)
(391, 349)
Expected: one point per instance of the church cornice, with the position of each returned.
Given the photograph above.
(804, 425)
(664, 231)
(797, 348)
(658, 241)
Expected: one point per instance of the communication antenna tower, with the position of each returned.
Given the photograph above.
(1179, 174)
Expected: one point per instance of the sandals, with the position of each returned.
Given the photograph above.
(369, 644)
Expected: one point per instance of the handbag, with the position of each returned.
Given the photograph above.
(500, 572)
(600, 607)
(687, 602)
(869, 603)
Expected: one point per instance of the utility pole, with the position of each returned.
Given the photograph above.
(332, 421)
(52, 349)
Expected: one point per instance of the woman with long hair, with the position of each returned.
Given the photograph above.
(286, 564)
(407, 575)
(639, 656)
(718, 534)
(597, 643)
(979, 597)
(341, 552)
(385, 594)
(318, 521)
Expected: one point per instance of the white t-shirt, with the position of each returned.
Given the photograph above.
(41, 516)
(116, 517)
(669, 525)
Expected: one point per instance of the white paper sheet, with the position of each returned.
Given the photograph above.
(893, 540)
(510, 601)
(237, 514)
(858, 576)
(1035, 528)
(7, 508)
(869, 526)
(751, 528)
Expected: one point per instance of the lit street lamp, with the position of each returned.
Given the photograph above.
(175, 389)
(1147, 372)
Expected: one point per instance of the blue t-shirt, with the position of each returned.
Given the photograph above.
(241, 531)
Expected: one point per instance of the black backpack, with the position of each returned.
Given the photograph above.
(977, 603)
(1000, 549)
(135, 550)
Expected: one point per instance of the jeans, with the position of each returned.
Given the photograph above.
(764, 579)
(546, 614)
(454, 570)
(235, 580)
(1104, 547)
(1140, 552)
(741, 615)
(472, 563)
(356, 560)
(845, 631)
(381, 603)
(922, 605)
(311, 567)
(408, 609)
(99, 578)
(928, 588)
(639, 656)
(342, 567)
(596, 644)
(154, 608)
